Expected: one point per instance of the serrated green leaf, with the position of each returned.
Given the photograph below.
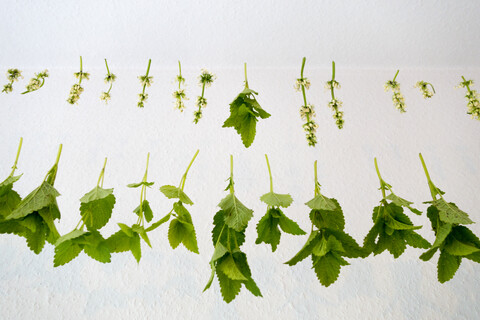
(351, 247)
(449, 212)
(369, 242)
(229, 267)
(99, 252)
(241, 261)
(427, 255)
(126, 229)
(447, 266)
(95, 194)
(96, 207)
(328, 219)
(323, 203)
(13, 227)
(182, 232)
(219, 252)
(228, 287)
(173, 192)
(138, 184)
(277, 199)
(8, 202)
(222, 231)
(383, 243)
(464, 234)
(457, 248)
(36, 240)
(48, 214)
(135, 247)
(415, 240)
(397, 244)
(158, 223)
(7, 184)
(397, 225)
(403, 203)
(442, 232)
(236, 214)
(39, 198)
(268, 232)
(474, 257)
(289, 226)
(69, 236)
(118, 242)
(307, 249)
(65, 252)
(145, 209)
(327, 268)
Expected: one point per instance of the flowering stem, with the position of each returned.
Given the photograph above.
(466, 84)
(16, 158)
(431, 85)
(246, 81)
(180, 74)
(303, 87)
(269, 173)
(81, 71)
(108, 74)
(333, 79)
(102, 173)
(396, 74)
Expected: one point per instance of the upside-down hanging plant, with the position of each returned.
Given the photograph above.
(146, 81)
(77, 88)
(12, 76)
(335, 104)
(473, 105)
(36, 82)
(397, 98)
(307, 112)
(424, 88)
(179, 94)
(109, 79)
(205, 79)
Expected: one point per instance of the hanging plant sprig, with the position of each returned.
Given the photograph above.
(473, 104)
(397, 98)
(9, 198)
(335, 104)
(268, 227)
(181, 229)
(109, 79)
(12, 76)
(77, 88)
(452, 239)
(307, 112)
(179, 94)
(205, 79)
(425, 89)
(96, 209)
(329, 243)
(228, 262)
(392, 229)
(36, 82)
(244, 114)
(37, 212)
(146, 81)
(128, 238)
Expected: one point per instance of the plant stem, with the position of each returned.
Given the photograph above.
(52, 173)
(180, 74)
(303, 87)
(316, 178)
(431, 85)
(269, 173)
(232, 190)
(60, 147)
(396, 74)
(16, 158)
(148, 67)
(184, 178)
(246, 81)
(81, 71)
(333, 79)
(382, 183)
(102, 173)
(433, 189)
(467, 86)
(143, 192)
(106, 65)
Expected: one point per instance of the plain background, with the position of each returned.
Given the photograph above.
(435, 41)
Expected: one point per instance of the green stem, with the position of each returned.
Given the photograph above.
(316, 178)
(184, 177)
(81, 71)
(106, 65)
(269, 173)
(52, 173)
(143, 192)
(16, 158)
(232, 190)
(180, 74)
(396, 74)
(464, 80)
(431, 85)
(146, 75)
(102, 173)
(304, 60)
(433, 189)
(333, 79)
(382, 183)
(246, 81)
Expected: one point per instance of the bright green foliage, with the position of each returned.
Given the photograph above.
(392, 229)
(453, 240)
(69, 246)
(236, 214)
(172, 192)
(145, 210)
(329, 243)
(277, 200)
(96, 207)
(244, 114)
(9, 199)
(228, 262)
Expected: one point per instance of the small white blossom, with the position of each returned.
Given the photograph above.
(146, 80)
(206, 78)
(105, 96)
(302, 82)
(7, 88)
(423, 86)
(332, 84)
(14, 75)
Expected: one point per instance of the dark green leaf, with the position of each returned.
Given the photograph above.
(289, 226)
(307, 249)
(327, 268)
(447, 266)
(229, 288)
(403, 203)
(268, 232)
(39, 198)
(449, 212)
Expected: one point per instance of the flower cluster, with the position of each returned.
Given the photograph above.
(12, 76)
(205, 79)
(397, 98)
(307, 112)
(36, 82)
(423, 86)
(473, 104)
(180, 95)
(77, 88)
(332, 84)
(335, 104)
(302, 82)
(146, 81)
(109, 79)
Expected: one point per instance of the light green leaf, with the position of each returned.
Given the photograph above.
(397, 225)
(138, 184)
(158, 223)
(449, 212)
(327, 268)
(8, 202)
(39, 198)
(289, 226)
(277, 199)
(236, 214)
(118, 242)
(222, 231)
(65, 252)
(415, 240)
(99, 252)
(306, 250)
(96, 207)
(7, 184)
(219, 252)
(323, 203)
(173, 192)
(126, 229)
(457, 248)
(69, 236)
(229, 267)
(427, 255)
(135, 247)
(403, 203)
(442, 231)
(228, 287)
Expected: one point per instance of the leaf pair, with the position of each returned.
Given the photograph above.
(128, 239)
(69, 246)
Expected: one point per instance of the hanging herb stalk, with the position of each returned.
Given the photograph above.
(36, 82)
(77, 88)
(335, 104)
(397, 98)
(329, 243)
(146, 81)
(424, 88)
(179, 95)
(473, 105)
(205, 79)
(228, 262)
(244, 114)
(109, 79)
(9, 199)
(307, 111)
(452, 239)
(12, 76)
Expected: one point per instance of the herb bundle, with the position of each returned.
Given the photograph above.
(109, 79)
(146, 81)
(96, 209)
(179, 94)
(329, 243)
(307, 112)
(473, 105)
(205, 79)
(244, 114)
(12, 76)
(423, 86)
(397, 98)
(452, 239)
(268, 227)
(392, 229)
(77, 88)
(36, 82)
(335, 104)
(228, 262)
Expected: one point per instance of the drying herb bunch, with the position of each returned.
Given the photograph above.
(335, 104)
(392, 229)
(244, 114)
(96, 209)
(397, 98)
(37, 82)
(109, 79)
(179, 95)
(33, 217)
(329, 243)
(146, 81)
(205, 79)
(454, 240)
(268, 227)
(424, 88)
(473, 105)
(12, 76)
(228, 262)
(307, 112)
(77, 88)
(181, 229)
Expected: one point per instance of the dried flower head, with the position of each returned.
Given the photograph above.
(423, 86)
(473, 104)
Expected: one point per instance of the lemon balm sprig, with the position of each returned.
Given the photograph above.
(335, 104)
(205, 79)
(146, 81)
(307, 112)
(473, 105)
(397, 98)
(77, 88)
(109, 79)
(36, 82)
(12, 76)
(179, 94)
(424, 88)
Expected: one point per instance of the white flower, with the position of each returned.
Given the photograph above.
(206, 78)
(110, 78)
(302, 82)
(105, 96)
(332, 84)
(145, 80)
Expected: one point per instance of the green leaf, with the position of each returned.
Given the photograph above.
(403, 203)
(351, 247)
(268, 232)
(8, 202)
(182, 232)
(236, 214)
(222, 231)
(277, 199)
(39, 198)
(327, 268)
(447, 266)
(289, 226)
(449, 212)
(397, 244)
(13, 227)
(65, 252)
(118, 242)
(474, 257)
(7, 184)
(145, 209)
(241, 261)
(457, 248)
(99, 252)
(158, 223)
(415, 240)
(96, 207)
(328, 219)
(323, 203)
(369, 242)
(138, 184)
(69, 236)
(219, 252)
(397, 225)
(464, 234)
(36, 239)
(427, 255)
(173, 192)
(228, 287)
(442, 232)
(128, 231)
(307, 249)
(135, 247)
(229, 267)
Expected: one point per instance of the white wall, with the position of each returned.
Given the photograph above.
(169, 283)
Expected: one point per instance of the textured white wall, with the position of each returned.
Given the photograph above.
(168, 283)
